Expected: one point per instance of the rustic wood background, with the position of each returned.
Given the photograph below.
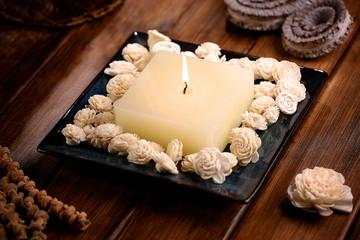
(43, 71)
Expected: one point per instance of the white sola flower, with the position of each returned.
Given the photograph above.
(121, 67)
(118, 85)
(291, 86)
(244, 145)
(140, 152)
(286, 69)
(264, 68)
(208, 48)
(321, 189)
(254, 120)
(211, 163)
(73, 134)
(100, 103)
(163, 163)
(286, 102)
(154, 36)
(136, 54)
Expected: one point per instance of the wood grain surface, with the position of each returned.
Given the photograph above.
(43, 71)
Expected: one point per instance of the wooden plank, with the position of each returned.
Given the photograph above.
(328, 137)
(20, 59)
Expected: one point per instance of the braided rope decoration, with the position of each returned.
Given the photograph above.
(318, 28)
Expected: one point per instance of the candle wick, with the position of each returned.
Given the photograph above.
(184, 91)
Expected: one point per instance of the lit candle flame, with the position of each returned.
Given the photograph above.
(185, 74)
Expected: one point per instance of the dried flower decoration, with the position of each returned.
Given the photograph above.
(121, 67)
(103, 135)
(244, 146)
(137, 55)
(208, 48)
(286, 69)
(103, 118)
(272, 114)
(286, 102)
(154, 36)
(211, 163)
(100, 103)
(120, 144)
(118, 85)
(244, 62)
(265, 88)
(166, 46)
(264, 67)
(291, 86)
(321, 189)
(163, 163)
(187, 164)
(259, 105)
(140, 152)
(84, 117)
(175, 150)
(73, 134)
(254, 120)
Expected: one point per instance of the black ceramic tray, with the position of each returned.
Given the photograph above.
(241, 185)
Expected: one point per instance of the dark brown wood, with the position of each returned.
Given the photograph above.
(44, 70)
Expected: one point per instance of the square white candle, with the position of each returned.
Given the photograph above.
(156, 109)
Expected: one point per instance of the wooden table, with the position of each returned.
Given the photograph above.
(43, 71)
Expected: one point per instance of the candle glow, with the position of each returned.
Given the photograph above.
(185, 74)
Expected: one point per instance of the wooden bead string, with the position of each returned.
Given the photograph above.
(38, 205)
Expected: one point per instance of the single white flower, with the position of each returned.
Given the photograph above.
(163, 163)
(291, 86)
(155, 36)
(100, 103)
(118, 85)
(260, 104)
(211, 163)
(157, 147)
(175, 150)
(265, 88)
(103, 135)
(166, 46)
(286, 69)
(120, 143)
(264, 68)
(321, 189)
(140, 152)
(73, 134)
(89, 130)
(187, 164)
(232, 162)
(121, 67)
(137, 55)
(207, 48)
(244, 62)
(272, 114)
(104, 117)
(286, 102)
(245, 145)
(254, 120)
(84, 117)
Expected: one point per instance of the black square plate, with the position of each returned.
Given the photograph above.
(241, 185)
